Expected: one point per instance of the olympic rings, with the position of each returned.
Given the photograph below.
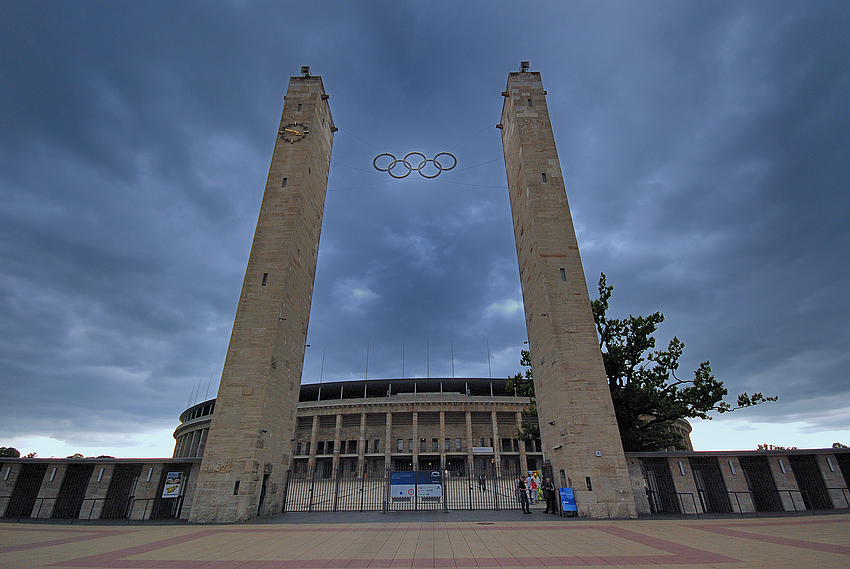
(411, 168)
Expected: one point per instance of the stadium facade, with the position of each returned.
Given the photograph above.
(351, 436)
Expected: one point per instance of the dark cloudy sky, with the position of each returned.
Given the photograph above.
(705, 147)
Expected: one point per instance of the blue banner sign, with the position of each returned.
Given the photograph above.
(423, 484)
(568, 500)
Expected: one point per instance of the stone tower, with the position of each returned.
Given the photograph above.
(248, 448)
(578, 428)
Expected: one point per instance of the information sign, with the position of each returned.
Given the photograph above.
(402, 486)
(429, 485)
(423, 484)
(568, 500)
(172, 485)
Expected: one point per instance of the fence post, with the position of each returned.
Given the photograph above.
(310, 492)
(444, 481)
(336, 488)
(285, 490)
(363, 486)
(387, 477)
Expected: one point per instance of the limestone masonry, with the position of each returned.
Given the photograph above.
(248, 450)
(577, 423)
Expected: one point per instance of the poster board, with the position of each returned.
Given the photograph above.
(568, 500)
(172, 485)
(423, 484)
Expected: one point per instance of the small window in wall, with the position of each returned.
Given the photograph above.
(589, 484)
(298, 449)
(423, 445)
(481, 441)
(529, 103)
(307, 447)
(563, 275)
(377, 446)
(543, 175)
(265, 279)
(352, 447)
(236, 488)
(283, 183)
(448, 445)
(329, 447)
(400, 445)
(320, 447)
(458, 444)
(410, 445)
(299, 106)
(435, 445)
(342, 447)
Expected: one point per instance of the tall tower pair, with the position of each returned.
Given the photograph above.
(250, 438)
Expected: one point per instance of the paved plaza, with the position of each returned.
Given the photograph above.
(433, 539)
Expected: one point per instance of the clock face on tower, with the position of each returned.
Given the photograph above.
(293, 132)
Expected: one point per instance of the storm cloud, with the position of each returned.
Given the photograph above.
(704, 147)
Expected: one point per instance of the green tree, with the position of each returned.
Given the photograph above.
(9, 452)
(647, 393)
(522, 384)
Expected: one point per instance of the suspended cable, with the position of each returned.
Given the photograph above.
(358, 169)
(482, 164)
(360, 139)
(358, 187)
(475, 185)
(471, 137)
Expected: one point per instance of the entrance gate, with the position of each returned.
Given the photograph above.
(362, 492)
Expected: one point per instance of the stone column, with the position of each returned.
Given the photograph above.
(470, 458)
(254, 420)
(388, 443)
(578, 428)
(497, 456)
(337, 434)
(415, 449)
(523, 454)
(314, 435)
(361, 446)
(443, 441)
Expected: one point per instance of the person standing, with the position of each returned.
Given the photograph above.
(549, 496)
(522, 494)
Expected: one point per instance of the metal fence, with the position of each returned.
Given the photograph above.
(344, 491)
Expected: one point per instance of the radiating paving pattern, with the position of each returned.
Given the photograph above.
(537, 542)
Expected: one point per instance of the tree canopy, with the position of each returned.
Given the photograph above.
(9, 452)
(647, 393)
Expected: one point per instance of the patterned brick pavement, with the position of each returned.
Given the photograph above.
(729, 543)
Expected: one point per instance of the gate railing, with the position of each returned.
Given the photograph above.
(321, 491)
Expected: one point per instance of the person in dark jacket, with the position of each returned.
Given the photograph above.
(549, 496)
(522, 494)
